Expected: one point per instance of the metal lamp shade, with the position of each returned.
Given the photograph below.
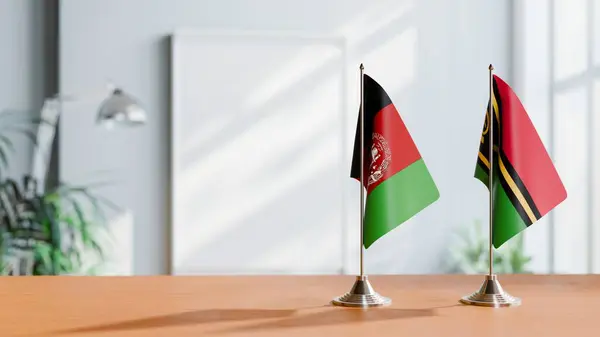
(121, 109)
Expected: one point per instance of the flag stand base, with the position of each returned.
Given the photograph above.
(361, 295)
(491, 294)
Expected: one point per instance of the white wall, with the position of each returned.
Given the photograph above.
(436, 54)
(23, 68)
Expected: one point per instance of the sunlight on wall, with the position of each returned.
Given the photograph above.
(310, 60)
(373, 18)
(394, 63)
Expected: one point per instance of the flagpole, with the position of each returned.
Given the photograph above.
(491, 294)
(362, 165)
(491, 175)
(362, 294)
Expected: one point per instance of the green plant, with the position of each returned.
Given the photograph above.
(60, 230)
(63, 227)
(75, 232)
(471, 254)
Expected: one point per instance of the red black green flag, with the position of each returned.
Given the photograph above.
(526, 185)
(397, 181)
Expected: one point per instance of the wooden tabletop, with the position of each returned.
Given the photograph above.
(292, 306)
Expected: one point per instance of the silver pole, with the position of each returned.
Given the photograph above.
(362, 164)
(491, 174)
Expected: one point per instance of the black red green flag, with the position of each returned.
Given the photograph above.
(526, 185)
(397, 181)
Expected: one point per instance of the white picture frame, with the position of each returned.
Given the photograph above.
(205, 61)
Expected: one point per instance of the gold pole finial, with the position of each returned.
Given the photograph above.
(491, 67)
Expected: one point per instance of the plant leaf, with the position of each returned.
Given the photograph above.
(3, 158)
(43, 254)
(6, 141)
(27, 133)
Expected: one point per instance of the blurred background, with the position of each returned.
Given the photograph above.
(242, 166)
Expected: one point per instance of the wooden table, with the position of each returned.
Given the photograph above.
(292, 306)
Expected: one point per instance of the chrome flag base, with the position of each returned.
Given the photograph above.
(491, 294)
(361, 295)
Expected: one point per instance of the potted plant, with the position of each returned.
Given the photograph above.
(46, 231)
(471, 254)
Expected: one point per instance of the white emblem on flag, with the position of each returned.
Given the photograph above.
(381, 155)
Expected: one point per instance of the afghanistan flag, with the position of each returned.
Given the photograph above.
(397, 181)
(525, 183)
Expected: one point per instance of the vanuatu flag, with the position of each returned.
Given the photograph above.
(525, 183)
(397, 181)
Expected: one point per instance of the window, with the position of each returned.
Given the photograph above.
(556, 55)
